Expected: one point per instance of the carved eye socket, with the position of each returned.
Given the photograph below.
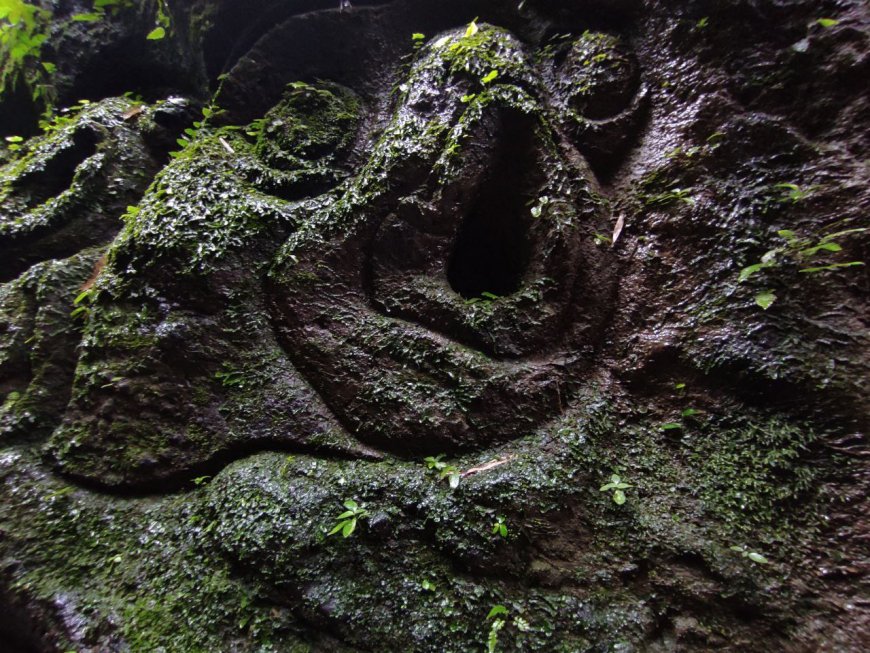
(599, 77)
(599, 96)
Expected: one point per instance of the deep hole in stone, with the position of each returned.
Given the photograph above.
(18, 631)
(492, 249)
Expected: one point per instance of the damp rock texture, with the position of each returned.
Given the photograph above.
(437, 326)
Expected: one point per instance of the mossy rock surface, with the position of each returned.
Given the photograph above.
(438, 326)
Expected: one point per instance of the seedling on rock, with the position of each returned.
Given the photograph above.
(346, 521)
(617, 486)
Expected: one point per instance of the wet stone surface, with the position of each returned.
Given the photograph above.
(558, 311)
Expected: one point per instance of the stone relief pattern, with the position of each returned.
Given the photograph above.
(514, 243)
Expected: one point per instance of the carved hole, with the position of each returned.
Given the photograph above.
(492, 248)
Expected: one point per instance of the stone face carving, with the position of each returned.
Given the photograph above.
(516, 245)
(454, 294)
(447, 293)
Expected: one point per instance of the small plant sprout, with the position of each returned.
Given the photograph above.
(14, 143)
(445, 471)
(498, 615)
(752, 555)
(164, 22)
(428, 585)
(288, 463)
(201, 480)
(793, 192)
(617, 485)
(452, 475)
(81, 304)
(669, 196)
(472, 29)
(799, 250)
(499, 527)
(670, 426)
(601, 239)
(346, 521)
(827, 22)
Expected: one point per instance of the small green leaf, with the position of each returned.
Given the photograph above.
(156, 34)
(757, 557)
(827, 22)
(821, 247)
(92, 17)
(472, 28)
(765, 299)
(689, 412)
(619, 497)
(337, 528)
(670, 426)
(417, 36)
(465, 99)
(496, 610)
(349, 527)
(350, 504)
(838, 234)
(14, 139)
(833, 266)
(490, 76)
(749, 270)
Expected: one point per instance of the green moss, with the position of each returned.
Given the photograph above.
(310, 126)
(93, 126)
(751, 477)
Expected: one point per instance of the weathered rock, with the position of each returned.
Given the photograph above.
(598, 261)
